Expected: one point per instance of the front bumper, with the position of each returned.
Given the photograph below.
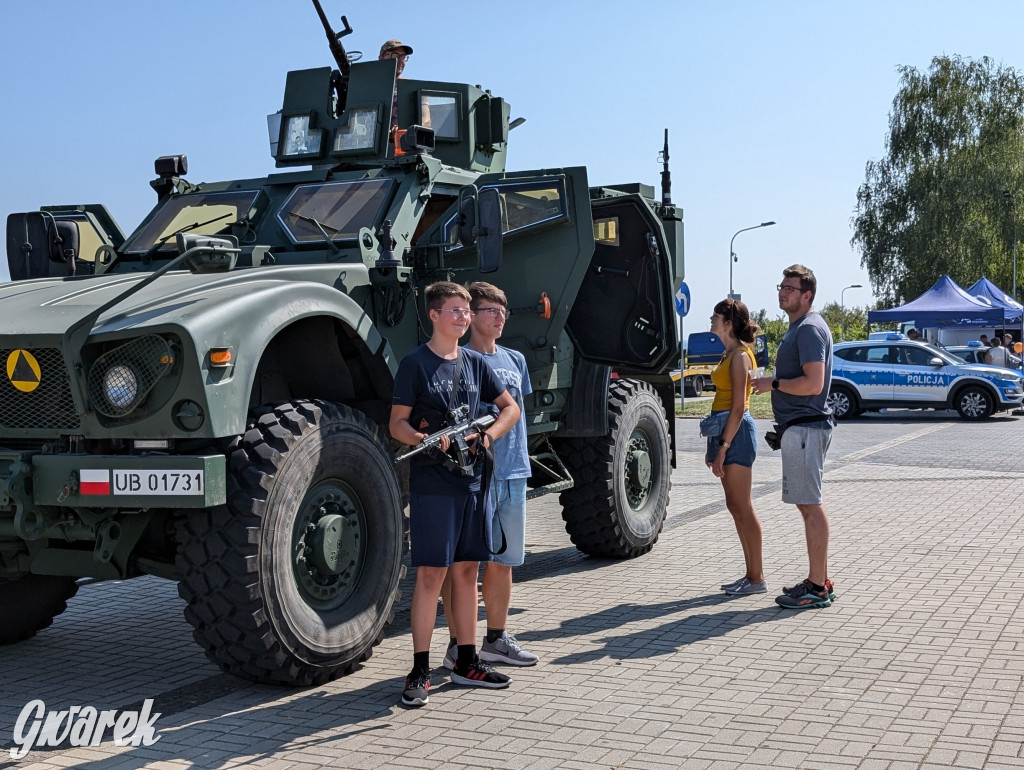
(29, 481)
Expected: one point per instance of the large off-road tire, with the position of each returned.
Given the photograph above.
(29, 604)
(974, 403)
(295, 579)
(618, 504)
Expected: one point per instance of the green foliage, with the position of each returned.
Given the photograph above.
(846, 323)
(935, 203)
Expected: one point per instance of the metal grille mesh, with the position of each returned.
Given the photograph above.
(42, 401)
(120, 379)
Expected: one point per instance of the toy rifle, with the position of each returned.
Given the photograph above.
(460, 455)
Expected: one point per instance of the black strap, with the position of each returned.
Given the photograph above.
(452, 397)
(485, 490)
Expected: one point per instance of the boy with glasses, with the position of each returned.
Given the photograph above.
(508, 490)
(448, 516)
(803, 375)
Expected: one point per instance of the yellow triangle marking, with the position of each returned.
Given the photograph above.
(23, 370)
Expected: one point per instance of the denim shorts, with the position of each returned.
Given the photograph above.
(744, 445)
(510, 510)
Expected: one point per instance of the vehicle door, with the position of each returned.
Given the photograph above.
(915, 378)
(868, 368)
(546, 248)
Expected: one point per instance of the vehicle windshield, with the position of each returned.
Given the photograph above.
(201, 213)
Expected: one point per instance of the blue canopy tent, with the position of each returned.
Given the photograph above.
(944, 304)
(986, 290)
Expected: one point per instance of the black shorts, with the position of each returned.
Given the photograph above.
(448, 528)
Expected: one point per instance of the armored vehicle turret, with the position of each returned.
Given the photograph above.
(206, 398)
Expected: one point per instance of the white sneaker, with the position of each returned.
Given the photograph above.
(505, 649)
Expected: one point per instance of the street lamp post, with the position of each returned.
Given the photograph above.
(734, 258)
(842, 310)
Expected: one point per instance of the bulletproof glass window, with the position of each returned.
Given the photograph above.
(606, 231)
(200, 213)
(524, 205)
(440, 111)
(360, 133)
(338, 209)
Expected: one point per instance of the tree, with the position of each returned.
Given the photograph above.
(935, 203)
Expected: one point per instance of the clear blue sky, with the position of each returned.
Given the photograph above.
(773, 109)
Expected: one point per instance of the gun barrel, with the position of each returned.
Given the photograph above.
(333, 39)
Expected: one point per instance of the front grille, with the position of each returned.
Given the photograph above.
(35, 391)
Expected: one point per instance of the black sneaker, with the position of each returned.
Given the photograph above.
(417, 689)
(479, 675)
(804, 597)
(829, 586)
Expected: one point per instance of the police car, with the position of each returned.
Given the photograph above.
(901, 373)
(972, 353)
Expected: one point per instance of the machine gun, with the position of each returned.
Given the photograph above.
(459, 455)
(339, 83)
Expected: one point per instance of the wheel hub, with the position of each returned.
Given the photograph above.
(327, 545)
(638, 470)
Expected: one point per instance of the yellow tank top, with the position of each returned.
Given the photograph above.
(723, 382)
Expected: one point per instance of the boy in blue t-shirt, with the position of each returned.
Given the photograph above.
(448, 518)
(508, 490)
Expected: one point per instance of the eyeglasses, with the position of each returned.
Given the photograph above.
(496, 312)
(458, 312)
(395, 55)
(783, 289)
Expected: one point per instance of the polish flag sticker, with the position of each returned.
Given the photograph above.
(94, 482)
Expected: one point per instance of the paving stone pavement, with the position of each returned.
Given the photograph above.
(645, 664)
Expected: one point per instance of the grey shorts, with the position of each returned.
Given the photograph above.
(803, 463)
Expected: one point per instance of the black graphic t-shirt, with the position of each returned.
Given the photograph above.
(425, 382)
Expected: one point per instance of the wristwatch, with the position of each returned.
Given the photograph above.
(775, 384)
(722, 442)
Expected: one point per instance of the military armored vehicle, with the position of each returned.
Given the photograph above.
(206, 398)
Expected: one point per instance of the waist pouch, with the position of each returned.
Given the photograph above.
(714, 424)
(774, 437)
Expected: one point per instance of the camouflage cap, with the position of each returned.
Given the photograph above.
(393, 44)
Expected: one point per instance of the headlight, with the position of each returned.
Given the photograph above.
(120, 386)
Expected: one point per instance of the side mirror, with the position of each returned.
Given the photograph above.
(206, 253)
(488, 233)
(936, 362)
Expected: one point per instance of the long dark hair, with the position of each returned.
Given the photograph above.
(735, 313)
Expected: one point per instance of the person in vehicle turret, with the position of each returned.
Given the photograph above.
(395, 49)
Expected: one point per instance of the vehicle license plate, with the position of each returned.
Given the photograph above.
(158, 482)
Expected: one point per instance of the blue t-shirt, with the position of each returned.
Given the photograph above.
(511, 454)
(806, 340)
(425, 381)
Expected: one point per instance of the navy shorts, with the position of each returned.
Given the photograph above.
(448, 528)
(744, 446)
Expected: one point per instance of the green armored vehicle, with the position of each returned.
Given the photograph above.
(206, 399)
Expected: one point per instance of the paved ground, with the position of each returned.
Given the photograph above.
(645, 664)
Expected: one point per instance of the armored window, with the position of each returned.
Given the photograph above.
(337, 209)
(440, 112)
(524, 205)
(360, 133)
(200, 213)
(606, 231)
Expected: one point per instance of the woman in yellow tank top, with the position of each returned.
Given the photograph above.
(730, 456)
